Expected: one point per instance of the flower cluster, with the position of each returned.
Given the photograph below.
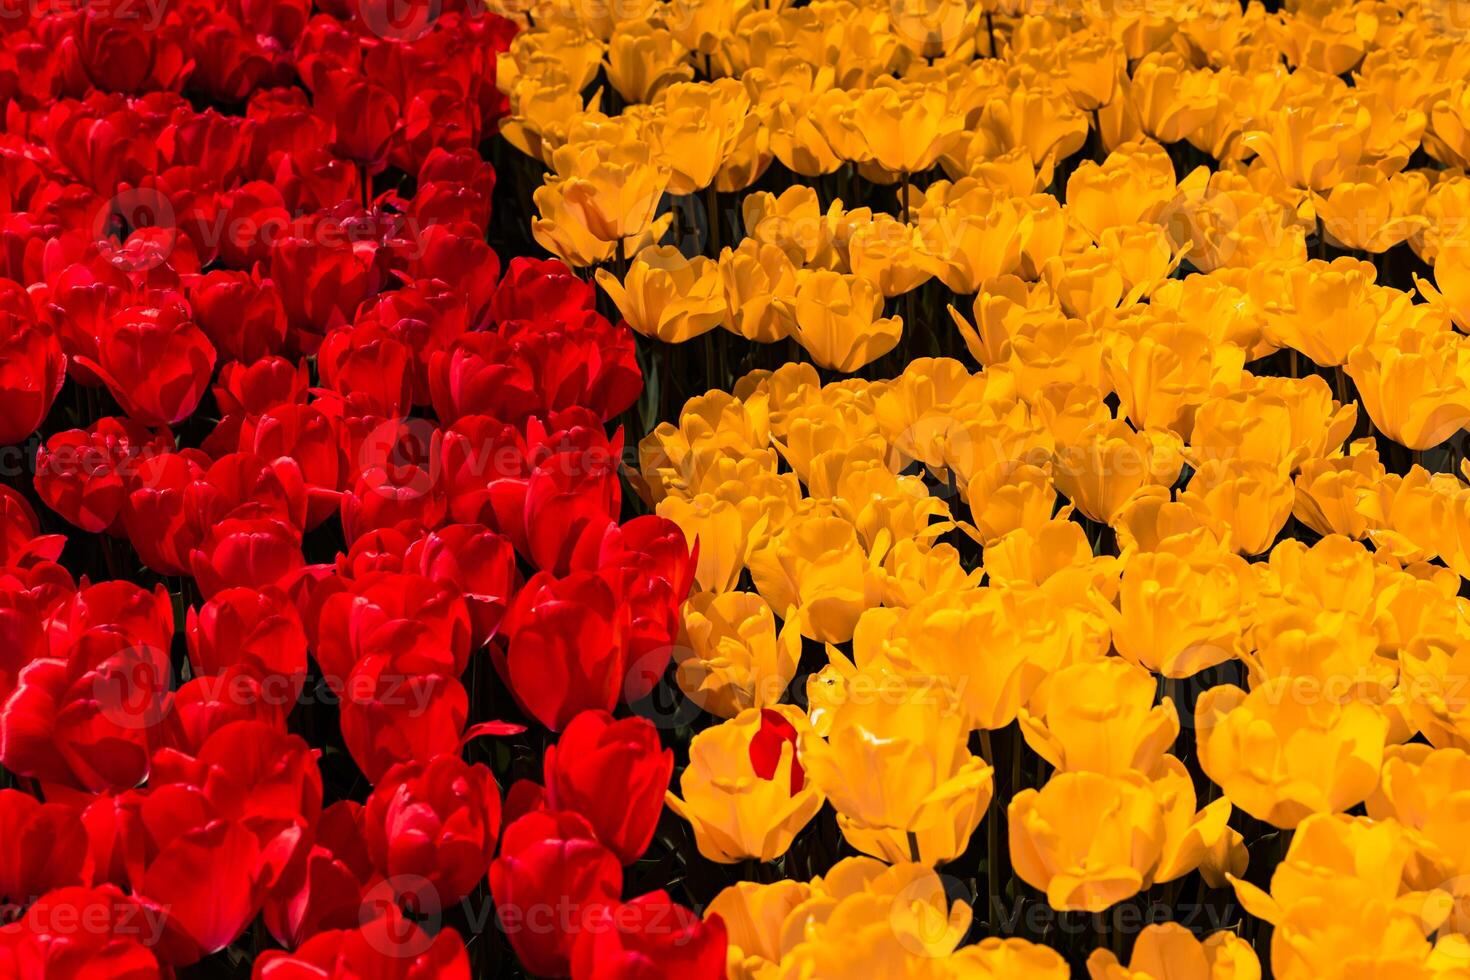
(266, 378)
(906, 488)
(1082, 521)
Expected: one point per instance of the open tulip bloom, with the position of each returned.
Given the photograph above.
(924, 489)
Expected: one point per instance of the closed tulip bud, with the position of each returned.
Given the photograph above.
(1287, 750)
(1168, 950)
(838, 320)
(1247, 500)
(745, 789)
(1087, 840)
(668, 296)
(922, 793)
(1179, 615)
(597, 758)
(1101, 717)
(736, 658)
(643, 58)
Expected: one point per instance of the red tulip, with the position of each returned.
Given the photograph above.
(89, 722)
(249, 553)
(260, 386)
(369, 369)
(86, 475)
(391, 714)
(551, 880)
(434, 823)
(21, 543)
(388, 947)
(32, 369)
(122, 50)
(42, 846)
(50, 942)
(156, 363)
(598, 759)
(321, 284)
(242, 315)
(565, 647)
(325, 891)
(422, 623)
(541, 289)
(256, 630)
(479, 563)
(364, 114)
(649, 938)
(315, 441)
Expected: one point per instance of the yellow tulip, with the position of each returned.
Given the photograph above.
(818, 566)
(994, 958)
(1167, 370)
(753, 915)
(1451, 288)
(1312, 144)
(1179, 615)
(1286, 750)
(1325, 310)
(1087, 840)
(735, 658)
(1100, 717)
(1172, 101)
(1328, 491)
(891, 254)
(668, 296)
(1416, 389)
(614, 188)
(838, 320)
(736, 810)
(1133, 184)
(921, 794)
(698, 126)
(1108, 463)
(1373, 213)
(643, 58)
(1168, 951)
(1246, 500)
(906, 127)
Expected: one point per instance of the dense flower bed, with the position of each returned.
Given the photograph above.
(975, 490)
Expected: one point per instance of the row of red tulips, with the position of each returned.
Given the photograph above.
(261, 362)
